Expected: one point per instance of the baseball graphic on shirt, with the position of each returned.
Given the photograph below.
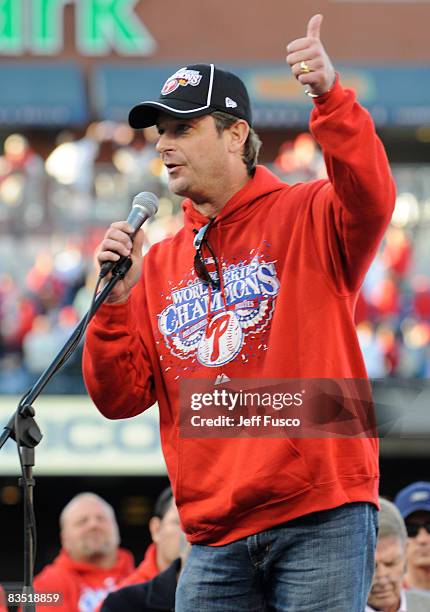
(222, 340)
(245, 307)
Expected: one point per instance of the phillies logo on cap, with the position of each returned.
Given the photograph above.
(183, 77)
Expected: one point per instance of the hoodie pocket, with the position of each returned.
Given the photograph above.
(221, 479)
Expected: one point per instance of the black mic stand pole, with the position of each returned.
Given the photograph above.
(23, 428)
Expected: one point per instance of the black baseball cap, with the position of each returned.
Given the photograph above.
(194, 91)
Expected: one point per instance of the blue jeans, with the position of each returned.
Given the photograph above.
(322, 562)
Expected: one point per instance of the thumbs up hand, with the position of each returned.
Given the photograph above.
(309, 61)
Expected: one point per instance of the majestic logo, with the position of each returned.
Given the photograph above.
(215, 332)
(221, 379)
(182, 77)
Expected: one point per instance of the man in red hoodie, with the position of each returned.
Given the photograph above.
(261, 283)
(90, 563)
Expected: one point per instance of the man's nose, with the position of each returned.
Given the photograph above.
(164, 143)
(93, 521)
(381, 573)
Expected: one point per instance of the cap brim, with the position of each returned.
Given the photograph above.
(145, 114)
(415, 507)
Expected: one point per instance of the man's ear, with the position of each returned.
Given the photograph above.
(63, 540)
(238, 133)
(154, 528)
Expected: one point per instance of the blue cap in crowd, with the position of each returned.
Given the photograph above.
(413, 498)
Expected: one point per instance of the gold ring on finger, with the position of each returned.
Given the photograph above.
(304, 68)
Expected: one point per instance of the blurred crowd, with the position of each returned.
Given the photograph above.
(393, 309)
(55, 209)
(93, 572)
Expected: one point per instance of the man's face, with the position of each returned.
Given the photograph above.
(419, 545)
(194, 154)
(389, 570)
(167, 535)
(89, 531)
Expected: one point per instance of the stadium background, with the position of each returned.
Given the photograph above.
(69, 166)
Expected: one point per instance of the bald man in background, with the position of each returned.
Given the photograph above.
(90, 563)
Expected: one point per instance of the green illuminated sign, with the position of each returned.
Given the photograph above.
(11, 40)
(46, 26)
(107, 24)
(101, 26)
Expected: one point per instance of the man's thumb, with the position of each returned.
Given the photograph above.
(314, 26)
(138, 243)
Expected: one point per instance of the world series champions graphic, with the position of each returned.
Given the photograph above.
(213, 325)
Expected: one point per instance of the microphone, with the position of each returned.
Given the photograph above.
(143, 207)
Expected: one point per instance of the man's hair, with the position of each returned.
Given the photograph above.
(163, 503)
(391, 523)
(252, 144)
(86, 495)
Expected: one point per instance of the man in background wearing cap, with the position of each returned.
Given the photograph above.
(279, 523)
(414, 504)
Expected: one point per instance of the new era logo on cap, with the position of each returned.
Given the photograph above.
(194, 91)
(230, 103)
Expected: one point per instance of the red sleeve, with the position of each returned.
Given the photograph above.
(116, 364)
(355, 207)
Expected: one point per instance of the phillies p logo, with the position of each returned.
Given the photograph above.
(221, 341)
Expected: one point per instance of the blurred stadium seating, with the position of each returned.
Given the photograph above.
(54, 211)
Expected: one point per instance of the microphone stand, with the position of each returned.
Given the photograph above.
(23, 428)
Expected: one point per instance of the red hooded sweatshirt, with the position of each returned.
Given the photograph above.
(82, 586)
(145, 571)
(292, 260)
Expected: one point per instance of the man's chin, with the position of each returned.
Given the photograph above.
(382, 600)
(178, 187)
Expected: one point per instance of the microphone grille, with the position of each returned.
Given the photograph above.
(147, 200)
